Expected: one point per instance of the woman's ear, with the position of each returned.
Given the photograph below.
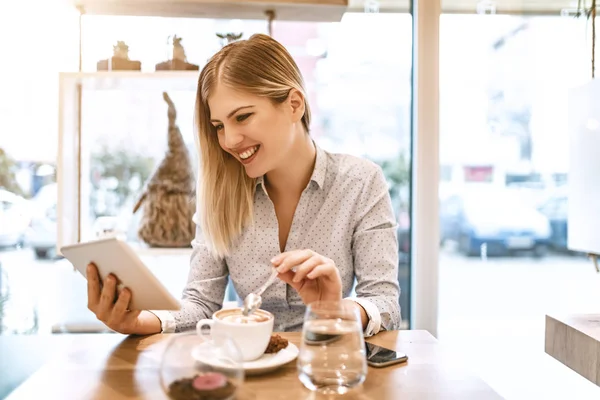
(296, 103)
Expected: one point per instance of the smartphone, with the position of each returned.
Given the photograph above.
(378, 356)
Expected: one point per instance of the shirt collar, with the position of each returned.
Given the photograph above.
(318, 175)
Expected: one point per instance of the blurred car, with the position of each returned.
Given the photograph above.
(531, 193)
(42, 233)
(556, 210)
(495, 220)
(15, 214)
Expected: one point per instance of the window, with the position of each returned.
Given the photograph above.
(504, 81)
(359, 91)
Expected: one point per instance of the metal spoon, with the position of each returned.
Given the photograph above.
(253, 301)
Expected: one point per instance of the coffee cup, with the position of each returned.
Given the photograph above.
(250, 333)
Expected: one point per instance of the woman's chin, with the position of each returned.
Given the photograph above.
(253, 172)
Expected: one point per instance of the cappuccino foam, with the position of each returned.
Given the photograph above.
(235, 316)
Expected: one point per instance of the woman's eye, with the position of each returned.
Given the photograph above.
(242, 117)
(218, 127)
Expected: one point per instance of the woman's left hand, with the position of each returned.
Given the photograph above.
(315, 278)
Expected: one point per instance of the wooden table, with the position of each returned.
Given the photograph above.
(574, 340)
(115, 367)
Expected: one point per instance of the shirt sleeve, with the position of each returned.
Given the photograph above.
(375, 255)
(374, 325)
(204, 292)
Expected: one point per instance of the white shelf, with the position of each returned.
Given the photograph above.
(73, 211)
(145, 251)
(142, 250)
(131, 80)
(286, 10)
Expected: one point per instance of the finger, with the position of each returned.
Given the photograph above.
(293, 259)
(291, 255)
(278, 258)
(328, 271)
(93, 286)
(288, 277)
(120, 309)
(107, 297)
(276, 261)
(306, 267)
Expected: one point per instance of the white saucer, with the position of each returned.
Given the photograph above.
(263, 365)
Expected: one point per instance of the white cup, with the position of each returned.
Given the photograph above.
(252, 338)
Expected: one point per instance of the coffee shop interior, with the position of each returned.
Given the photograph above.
(484, 116)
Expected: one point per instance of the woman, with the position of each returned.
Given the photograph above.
(269, 197)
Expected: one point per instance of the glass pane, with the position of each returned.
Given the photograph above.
(504, 135)
(28, 152)
(126, 137)
(517, 7)
(375, 125)
(360, 98)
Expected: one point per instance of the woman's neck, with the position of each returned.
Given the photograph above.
(293, 177)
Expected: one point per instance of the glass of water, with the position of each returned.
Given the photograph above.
(195, 367)
(332, 357)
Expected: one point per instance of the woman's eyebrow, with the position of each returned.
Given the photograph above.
(233, 112)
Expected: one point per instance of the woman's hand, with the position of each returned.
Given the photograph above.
(315, 278)
(116, 314)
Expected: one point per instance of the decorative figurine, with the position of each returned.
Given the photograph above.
(120, 60)
(169, 195)
(227, 38)
(179, 60)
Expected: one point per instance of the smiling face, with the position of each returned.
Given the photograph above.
(254, 130)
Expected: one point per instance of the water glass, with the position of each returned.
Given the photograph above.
(195, 367)
(332, 357)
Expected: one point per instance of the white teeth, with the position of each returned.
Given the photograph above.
(248, 153)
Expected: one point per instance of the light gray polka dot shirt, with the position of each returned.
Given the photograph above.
(344, 214)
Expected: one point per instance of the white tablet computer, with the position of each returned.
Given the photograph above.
(117, 257)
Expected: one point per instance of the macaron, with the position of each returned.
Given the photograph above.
(209, 381)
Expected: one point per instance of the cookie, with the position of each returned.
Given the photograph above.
(275, 344)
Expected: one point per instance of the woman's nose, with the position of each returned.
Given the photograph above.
(233, 138)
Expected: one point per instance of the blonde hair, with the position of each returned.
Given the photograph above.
(259, 66)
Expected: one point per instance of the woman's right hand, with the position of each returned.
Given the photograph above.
(116, 314)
